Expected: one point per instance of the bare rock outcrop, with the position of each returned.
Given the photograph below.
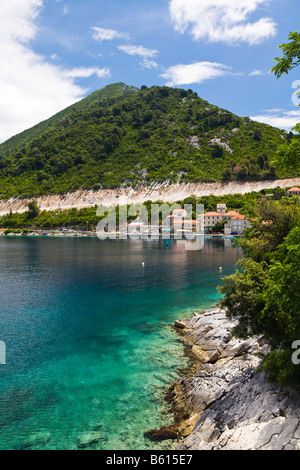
(227, 403)
(165, 192)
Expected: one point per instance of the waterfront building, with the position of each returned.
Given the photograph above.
(211, 219)
(237, 225)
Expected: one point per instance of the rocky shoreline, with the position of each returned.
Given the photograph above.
(224, 401)
(47, 233)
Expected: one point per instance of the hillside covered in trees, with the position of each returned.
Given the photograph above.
(123, 136)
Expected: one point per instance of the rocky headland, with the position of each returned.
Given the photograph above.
(224, 401)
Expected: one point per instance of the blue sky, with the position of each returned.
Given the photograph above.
(55, 52)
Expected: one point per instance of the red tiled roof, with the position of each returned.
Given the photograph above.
(232, 213)
(213, 213)
(186, 221)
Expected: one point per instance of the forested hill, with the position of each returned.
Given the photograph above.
(109, 92)
(123, 136)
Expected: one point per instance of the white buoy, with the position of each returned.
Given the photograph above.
(143, 264)
(220, 268)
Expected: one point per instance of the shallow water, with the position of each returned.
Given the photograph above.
(90, 349)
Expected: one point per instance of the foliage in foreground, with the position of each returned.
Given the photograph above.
(288, 154)
(263, 295)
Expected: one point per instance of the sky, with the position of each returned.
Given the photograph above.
(55, 52)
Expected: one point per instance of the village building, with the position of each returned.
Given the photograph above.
(230, 214)
(293, 191)
(221, 208)
(182, 224)
(211, 219)
(234, 222)
(179, 213)
(237, 225)
(136, 227)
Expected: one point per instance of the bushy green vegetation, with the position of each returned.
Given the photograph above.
(85, 218)
(244, 203)
(264, 294)
(119, 136)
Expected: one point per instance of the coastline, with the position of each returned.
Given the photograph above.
(48, 233)
(93, 234)
(223, 401)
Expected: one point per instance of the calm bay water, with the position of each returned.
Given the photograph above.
(87, 329)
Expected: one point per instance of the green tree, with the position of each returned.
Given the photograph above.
(33, 210)
(263, 295)
(243, 296)
(291, 55)
(288, 154)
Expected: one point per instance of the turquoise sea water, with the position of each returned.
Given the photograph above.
(90, 350)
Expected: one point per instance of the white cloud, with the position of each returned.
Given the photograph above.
(148, 64)
(17, 19)
(31, 89)
(293, 113)
(257, 73)
(197, 72)
(54, 57)
(146, 54)
(221, 20)
(131, 49)
(285, 120)
(103, 34)
(85, 72)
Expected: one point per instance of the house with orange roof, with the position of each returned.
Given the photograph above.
(182, 224)
(230, 214)
(293, 191)
(179, 223)
(234, 221)
(237, 225)
(179, 213)
(211, 219)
